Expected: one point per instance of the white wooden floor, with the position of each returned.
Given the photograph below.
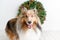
(47, 35)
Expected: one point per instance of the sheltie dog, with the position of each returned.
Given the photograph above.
(27, 26)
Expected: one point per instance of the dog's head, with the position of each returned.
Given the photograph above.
(28, 17)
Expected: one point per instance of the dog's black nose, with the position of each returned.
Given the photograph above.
(29, 22)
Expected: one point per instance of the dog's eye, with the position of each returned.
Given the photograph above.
(26, 16)
(32, 16)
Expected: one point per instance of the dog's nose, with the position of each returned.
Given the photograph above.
(29, 22)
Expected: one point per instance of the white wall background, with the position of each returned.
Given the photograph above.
(9, 9)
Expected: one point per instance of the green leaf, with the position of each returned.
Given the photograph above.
(39, 7)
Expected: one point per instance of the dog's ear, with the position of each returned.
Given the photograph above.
(39, 23)
(23, 9)
(35, 11)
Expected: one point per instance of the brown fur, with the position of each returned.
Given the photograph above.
(25, 28)
(11, 25)
(11, 29)
(22, 21)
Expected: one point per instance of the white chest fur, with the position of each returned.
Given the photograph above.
(30, 34)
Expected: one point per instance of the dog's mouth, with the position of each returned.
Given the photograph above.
(29, 26)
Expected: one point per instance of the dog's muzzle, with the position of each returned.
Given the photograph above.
(29, 23)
